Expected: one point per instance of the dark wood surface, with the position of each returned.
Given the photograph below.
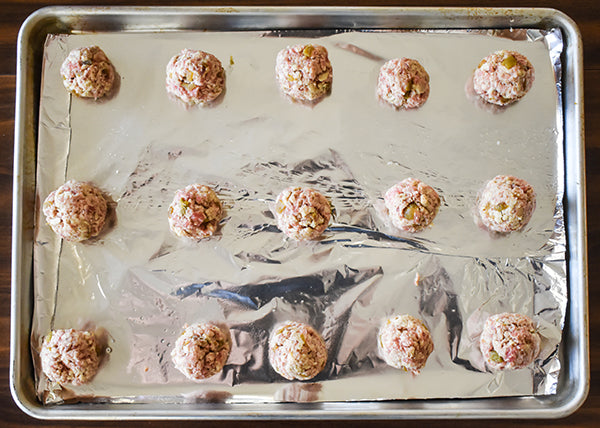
(586, 14)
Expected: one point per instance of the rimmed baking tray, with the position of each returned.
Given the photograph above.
(573, 382)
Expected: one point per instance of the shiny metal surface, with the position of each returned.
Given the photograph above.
(434, 245)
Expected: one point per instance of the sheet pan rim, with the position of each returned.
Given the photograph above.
(547, 407)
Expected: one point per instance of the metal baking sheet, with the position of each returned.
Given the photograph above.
(448, 247)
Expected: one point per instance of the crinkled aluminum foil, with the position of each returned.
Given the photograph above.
(141, 284)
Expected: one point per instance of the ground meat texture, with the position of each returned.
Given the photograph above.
(304, 72)
(297, 351)
(503, 77)
(506, 204)
(201, 351)
(76, 211)
(69, 356)
(405, 343)
(195, 77)
(302, 213)
(88, 73)
(195, 212)
(509, 341)
(404, 83)
(412, 205)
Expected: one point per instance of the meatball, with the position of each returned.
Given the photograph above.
(403, 83)
(297, 351)
(304, 72)
(506, 204)
(503, 77)
(201, 351)
(302, 213)
(195, 212)
(195, 77)
(405, 343)
(88, 73)
(76, 211)
(412, 205)
(70, 356)
(509, 341)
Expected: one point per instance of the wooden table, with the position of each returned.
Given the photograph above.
(586, 13)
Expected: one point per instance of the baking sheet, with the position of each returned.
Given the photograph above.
(141, 284)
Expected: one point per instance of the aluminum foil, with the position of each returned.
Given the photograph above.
(139, 284)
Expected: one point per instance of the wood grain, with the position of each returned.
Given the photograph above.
(585, 13)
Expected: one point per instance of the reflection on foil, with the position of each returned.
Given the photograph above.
(438, 302)
(299, 392)
(515, 34)
(375, 236)
(294, 290)
(359, 51)
(206, 397)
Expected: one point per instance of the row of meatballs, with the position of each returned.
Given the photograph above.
(304, 74)
(76, 211)
(296, 351)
